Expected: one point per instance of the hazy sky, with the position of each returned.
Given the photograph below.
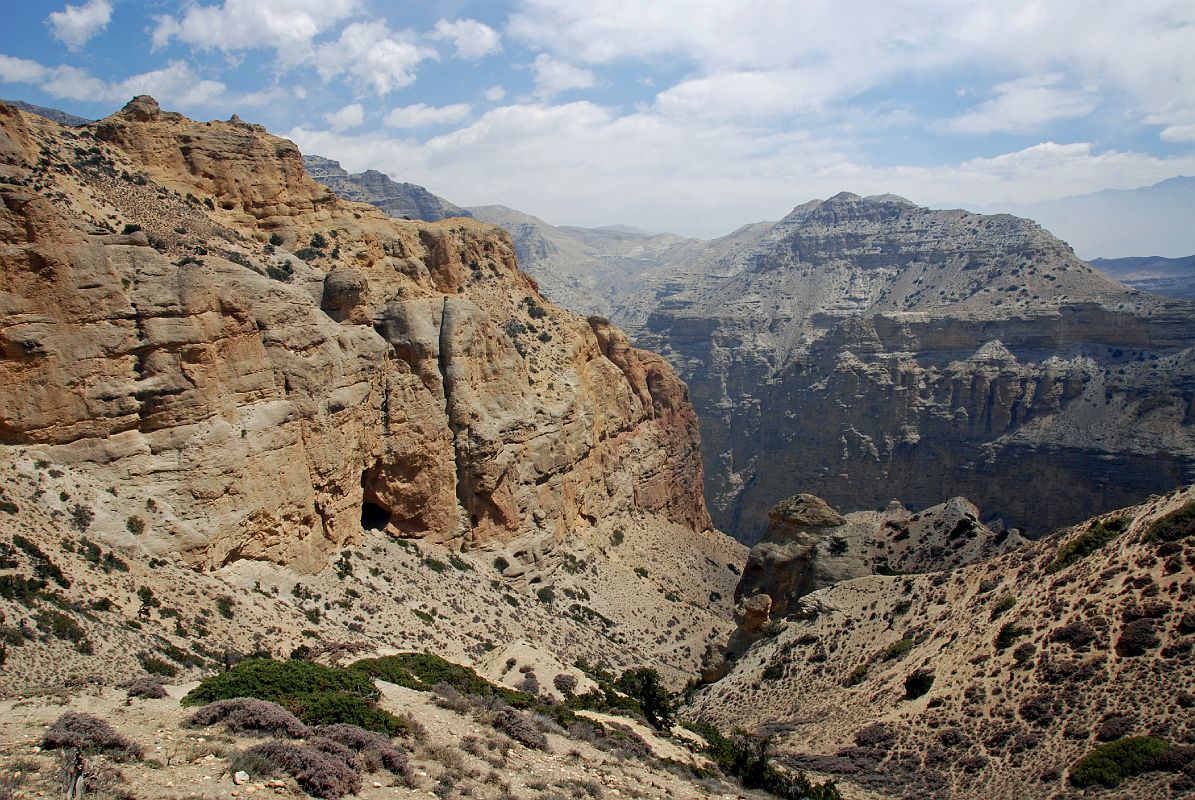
(692, 116)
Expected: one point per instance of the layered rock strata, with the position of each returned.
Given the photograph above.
(865, 348)
(186, 313)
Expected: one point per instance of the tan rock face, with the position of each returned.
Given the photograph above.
(810, 546)
(281, 367)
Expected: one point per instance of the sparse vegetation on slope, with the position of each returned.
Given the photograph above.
(314, 693)
(1111, 763)
(1086, 543)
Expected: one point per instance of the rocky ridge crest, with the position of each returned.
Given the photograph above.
(187, 313)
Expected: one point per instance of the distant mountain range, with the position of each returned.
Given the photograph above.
(404, 200)
(1118, 223)
(61, 117)
(1172, 277)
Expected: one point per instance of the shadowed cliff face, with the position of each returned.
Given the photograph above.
(278, 368)
(864, 349)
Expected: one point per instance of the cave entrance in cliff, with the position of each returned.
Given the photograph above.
(374, 517)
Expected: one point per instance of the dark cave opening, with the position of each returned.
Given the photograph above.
(374, 517)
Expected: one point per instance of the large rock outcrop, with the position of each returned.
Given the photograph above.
(809, 546)
(865, 348)
(185, 313)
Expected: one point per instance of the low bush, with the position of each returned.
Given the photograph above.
(1076, 634)
(1111, 763)
(90, 734)
(267, 679)
(317, 772)
(249, 715)
(332, 708)
(917, 684)
(1009, 632)
(1003, 604)
(1174, 526)
(897, 649)
(517, 726)
(147, 688)
(1136, 638)
(1086, 543)
(856, 676)
(316, 694)
(374, 751)
(422, 671)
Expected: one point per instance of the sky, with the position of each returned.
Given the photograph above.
(688, 116)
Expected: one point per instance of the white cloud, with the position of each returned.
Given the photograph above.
(75, 25)
(20, 70)
(350, 116)
(418, 115)
(748, 94)
(494, 94)
(176, 84)
(1178, 133)
(1140, 50)
(1024, 105)
(372, 56)
(471, 38)
(289, 26)
(553, 76)
(571, 164)
(76, 84)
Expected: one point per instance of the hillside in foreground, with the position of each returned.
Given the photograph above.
(991, 680)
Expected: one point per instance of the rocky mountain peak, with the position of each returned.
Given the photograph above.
(141, 108)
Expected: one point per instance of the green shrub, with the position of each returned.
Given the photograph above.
(1175, 525)
(224, 605)
(897, 649)
(422, 671)
(501, 564)
(1111, 763)
(643, 684)
(314, 693)
(546, 595)
(1003, 604)
(59, 625)
(331, 708)
(857, 676)
(267, 679)
(917, 684)
(434, 564)
(1009, 633)
(1087, 543)
(156, 666)
(135, 525)
(746, 758)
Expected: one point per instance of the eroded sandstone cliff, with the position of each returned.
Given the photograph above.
(185, 314)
